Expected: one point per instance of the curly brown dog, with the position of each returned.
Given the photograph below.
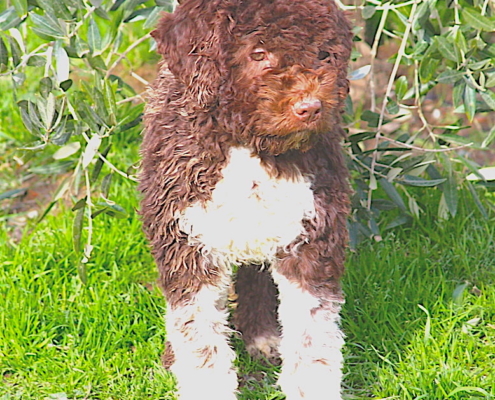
(242, 170)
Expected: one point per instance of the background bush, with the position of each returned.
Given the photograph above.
(74, 71)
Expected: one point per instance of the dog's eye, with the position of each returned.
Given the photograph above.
(258, 55)
(322, 55)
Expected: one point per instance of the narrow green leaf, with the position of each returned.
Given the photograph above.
(401, 87)
(490, 79)
(97, 63)
(392, 107)
(353, 235)
(36, 61)
(110, 102)
(450, 191)
(477, 201)
(99, 164)
(102, 13)
(153, 17)
(373, 185)
(368, 12)
(470, 102)
(77, 227)
(114, 210)
(82, 48)
(21, 7)
(47, 110)
(9, 19)
(476, 20)
(399, 221)
(52, 169)
(427, 334)
(428, 67)
(46, 211)
(81, 203)
(94, 37)
(26, 119)
(489, 98)
(360, 73)
(469, 389)
(66, 85)
(372, 118)
(480, 65)
(392, 193)
(77, 4)
(4, 56)
(410, 180)
(45, 26)
(67, 150)
(458, 93)
(460, 41)
(489, 139)
(12, 193)
(413, 206)
(105, 184)
(455, 139)
(15, 51)
(458, 294)
(447, 48)
(57, 9)
(63, 63)
(443, 210)
(487, 174)
(393, 173)
(46, 86)
(91, 150)
(450, 76)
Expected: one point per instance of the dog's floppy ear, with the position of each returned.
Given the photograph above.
(190, 41)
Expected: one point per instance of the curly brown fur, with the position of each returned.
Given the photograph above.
(268, 76)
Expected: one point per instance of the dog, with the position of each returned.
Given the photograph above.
(243, 174)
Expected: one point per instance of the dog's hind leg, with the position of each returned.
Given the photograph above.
(311, 343)
(198, 333)
(256, 312)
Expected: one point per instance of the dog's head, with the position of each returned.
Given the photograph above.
(274, 70)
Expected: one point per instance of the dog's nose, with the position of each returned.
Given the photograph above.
(307, 110)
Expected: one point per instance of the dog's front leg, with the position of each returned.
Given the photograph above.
(198, 333)
(311, 343)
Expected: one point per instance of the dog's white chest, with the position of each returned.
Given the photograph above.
(250, 214)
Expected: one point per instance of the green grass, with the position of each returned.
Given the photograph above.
(420, 313)
(419, 317)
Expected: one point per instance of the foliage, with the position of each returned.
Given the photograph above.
(444, 50)
(65, 60)
(72, 68)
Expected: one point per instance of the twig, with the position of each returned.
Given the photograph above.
(129, 99)
(422, 149)
(115, 169)
(126, 51)
(391, 80)
(374, 52)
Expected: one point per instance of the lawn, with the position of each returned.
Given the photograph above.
(419, 316)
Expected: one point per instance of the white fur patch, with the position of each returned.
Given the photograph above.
(250, 214)
(203, 358)
(310, 346)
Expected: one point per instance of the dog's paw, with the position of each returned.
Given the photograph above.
(265, 348)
